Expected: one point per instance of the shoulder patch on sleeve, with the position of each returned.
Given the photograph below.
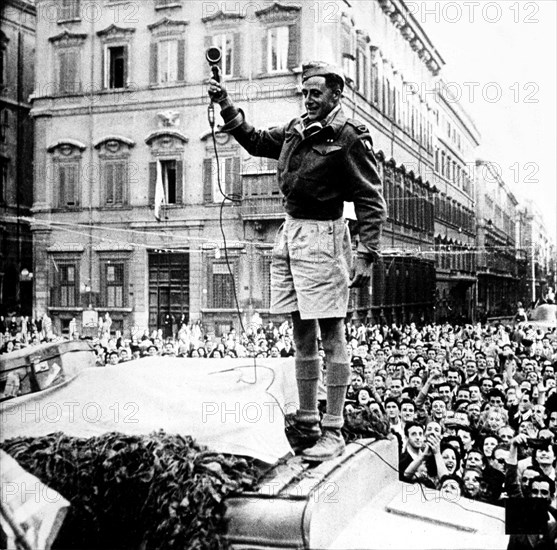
(359, 126)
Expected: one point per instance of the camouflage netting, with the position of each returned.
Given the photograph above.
(148, 492)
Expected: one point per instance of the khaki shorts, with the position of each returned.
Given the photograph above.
(310, 271)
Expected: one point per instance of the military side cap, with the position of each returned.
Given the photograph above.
(320, 68)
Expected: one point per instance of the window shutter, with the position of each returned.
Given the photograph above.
(208, 180)
(125, 66)
(179, 181)
(153, 64)
(264, 47)
(236, 59)
(61, 185)
(71, 186)
(120, 183)
(152, 182)
(228, 175)
(293, 45)
(72, 67)
(236, 178)
(109, 183)
(181, 59)
(104, 72)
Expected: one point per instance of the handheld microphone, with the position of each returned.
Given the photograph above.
(213, 56)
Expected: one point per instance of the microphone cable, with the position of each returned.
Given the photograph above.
(233, 199)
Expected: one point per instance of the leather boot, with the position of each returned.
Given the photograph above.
(330, 445)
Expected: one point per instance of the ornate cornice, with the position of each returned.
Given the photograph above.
(67, 37)
(115, 31)
(222, 17)
(162, 133)
(403, 20)
(72, 142)
(278, 12)
(167, 22)
(121, 139)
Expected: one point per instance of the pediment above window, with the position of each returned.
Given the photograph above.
(67, 38)
(115, 32)
(114, 144)
(222, 138)
(165, 24)
(278, 12)
(67, 147)
(165, 141)
(222, 17)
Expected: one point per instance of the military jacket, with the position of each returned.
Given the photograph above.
(318, 173)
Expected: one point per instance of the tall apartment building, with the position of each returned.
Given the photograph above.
(455, 229)
(497, 268)
(120, 104)
(17, 44)
(537, 249)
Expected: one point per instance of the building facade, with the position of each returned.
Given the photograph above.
(537, 250)
(497, 266)
(17, 45)
(457, 139)
(120, 111)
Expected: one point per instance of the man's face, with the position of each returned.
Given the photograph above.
(445, 393)
(396, 387)
(392, 410)
(475, 394)
(453, 378)
(487, 386)
(368, 371)
(499, 459)
(527, 475)
(416, 382)
(524, 404)
(407, 412)
(474, 460)
(540, 489)
(438, 409)
(318, 99)
(472, 482)
(482, 363)
(450, 490)
(464, 394)
(496, 401)
(416, 437)
(545, 456)
(465, 437)
(361, 351)
(553, 421)
(471, 369)
(505, 434)
(357, 381)
(473, 411)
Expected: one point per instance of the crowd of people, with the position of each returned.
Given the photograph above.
(474, 407)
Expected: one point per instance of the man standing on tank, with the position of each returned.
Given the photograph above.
(324, 160)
